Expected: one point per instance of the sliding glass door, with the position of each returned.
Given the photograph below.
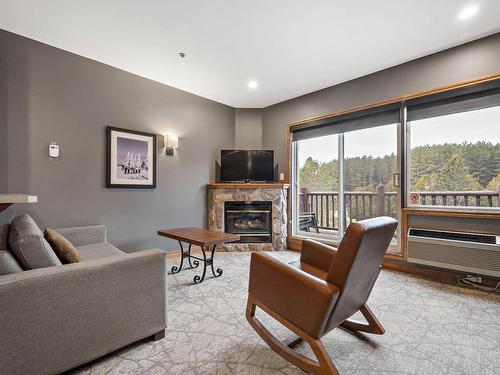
(371, 174)
(316, 190)
(349, 175)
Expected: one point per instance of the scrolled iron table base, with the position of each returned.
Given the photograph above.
(206, 261)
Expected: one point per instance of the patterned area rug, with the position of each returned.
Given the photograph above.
(431, 328)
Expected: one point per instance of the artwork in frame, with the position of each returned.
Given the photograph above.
(130, 159)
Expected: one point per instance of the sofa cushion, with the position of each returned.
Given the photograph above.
(28, 245)
(4, 236)
(98, 251)
(8, 264)
(64, 250)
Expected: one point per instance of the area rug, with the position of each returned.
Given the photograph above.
(431, 328)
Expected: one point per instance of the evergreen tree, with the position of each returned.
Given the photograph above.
(454, 176)
(426, 182)
(308, 175)
(444, 167)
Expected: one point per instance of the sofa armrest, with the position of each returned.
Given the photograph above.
(317, 254)
(300, 298)
(80, 311)
(88, 235)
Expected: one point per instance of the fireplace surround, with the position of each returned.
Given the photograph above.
(259, 230)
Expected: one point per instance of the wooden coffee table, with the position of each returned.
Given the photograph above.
(199, 237)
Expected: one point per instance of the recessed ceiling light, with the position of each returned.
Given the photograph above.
(467, 13)
(253, 84)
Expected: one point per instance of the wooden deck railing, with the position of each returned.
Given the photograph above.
(460, 198)
(365, 204)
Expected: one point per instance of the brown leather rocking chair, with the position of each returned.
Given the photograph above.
(320, 291)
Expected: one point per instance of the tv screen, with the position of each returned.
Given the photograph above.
(247, 165)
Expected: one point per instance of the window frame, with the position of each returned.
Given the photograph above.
(474, 84)
(395, 247)
(407, 178)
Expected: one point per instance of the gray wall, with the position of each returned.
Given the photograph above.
(3, 119)
(248, 128)
(47, 94)
(478, 58)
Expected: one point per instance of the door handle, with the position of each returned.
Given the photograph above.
(395, 179)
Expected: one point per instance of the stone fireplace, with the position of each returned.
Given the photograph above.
(255, 211)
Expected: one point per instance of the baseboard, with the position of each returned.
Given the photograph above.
(434, 273)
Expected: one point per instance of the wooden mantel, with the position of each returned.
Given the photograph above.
(250, 185)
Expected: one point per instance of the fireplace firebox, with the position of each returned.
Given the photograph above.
(251, 220)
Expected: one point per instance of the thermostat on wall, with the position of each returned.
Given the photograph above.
(53, 150)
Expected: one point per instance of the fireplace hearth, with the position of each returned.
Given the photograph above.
(251, 220)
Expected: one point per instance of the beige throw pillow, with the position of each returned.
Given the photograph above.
(64, 250)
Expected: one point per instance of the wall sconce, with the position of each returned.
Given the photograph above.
(171, 143)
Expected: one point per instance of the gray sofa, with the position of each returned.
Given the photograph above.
(53, 319)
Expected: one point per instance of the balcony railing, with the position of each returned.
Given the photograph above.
(365, 204)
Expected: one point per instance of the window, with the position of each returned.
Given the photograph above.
(442, 149)
(454, 154)
(371, 173)
(317, 163)
(341, 176)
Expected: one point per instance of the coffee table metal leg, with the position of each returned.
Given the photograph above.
(176, 269)
(197, 279)
(206, 261)
(217, 272)
(195, 262)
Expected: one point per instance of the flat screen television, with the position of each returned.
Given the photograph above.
(247, 165)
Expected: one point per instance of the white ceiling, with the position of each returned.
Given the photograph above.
(291, 47)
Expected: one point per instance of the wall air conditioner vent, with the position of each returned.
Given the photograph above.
(460, 251)
(456, 236)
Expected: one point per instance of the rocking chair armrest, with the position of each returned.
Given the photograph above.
(317, 254)
(296, 296)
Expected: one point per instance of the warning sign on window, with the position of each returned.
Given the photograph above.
(414, 198)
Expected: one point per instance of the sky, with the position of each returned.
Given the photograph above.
(134, 146)
(474, 126)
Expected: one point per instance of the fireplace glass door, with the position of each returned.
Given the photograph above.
(251, 220)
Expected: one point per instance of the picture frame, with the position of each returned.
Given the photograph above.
(130, 159)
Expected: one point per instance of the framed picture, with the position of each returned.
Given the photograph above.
(130, 159)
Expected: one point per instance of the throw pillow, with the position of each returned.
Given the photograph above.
(28, 245)
(64, 249)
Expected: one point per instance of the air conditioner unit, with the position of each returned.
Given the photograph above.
(467, 252)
